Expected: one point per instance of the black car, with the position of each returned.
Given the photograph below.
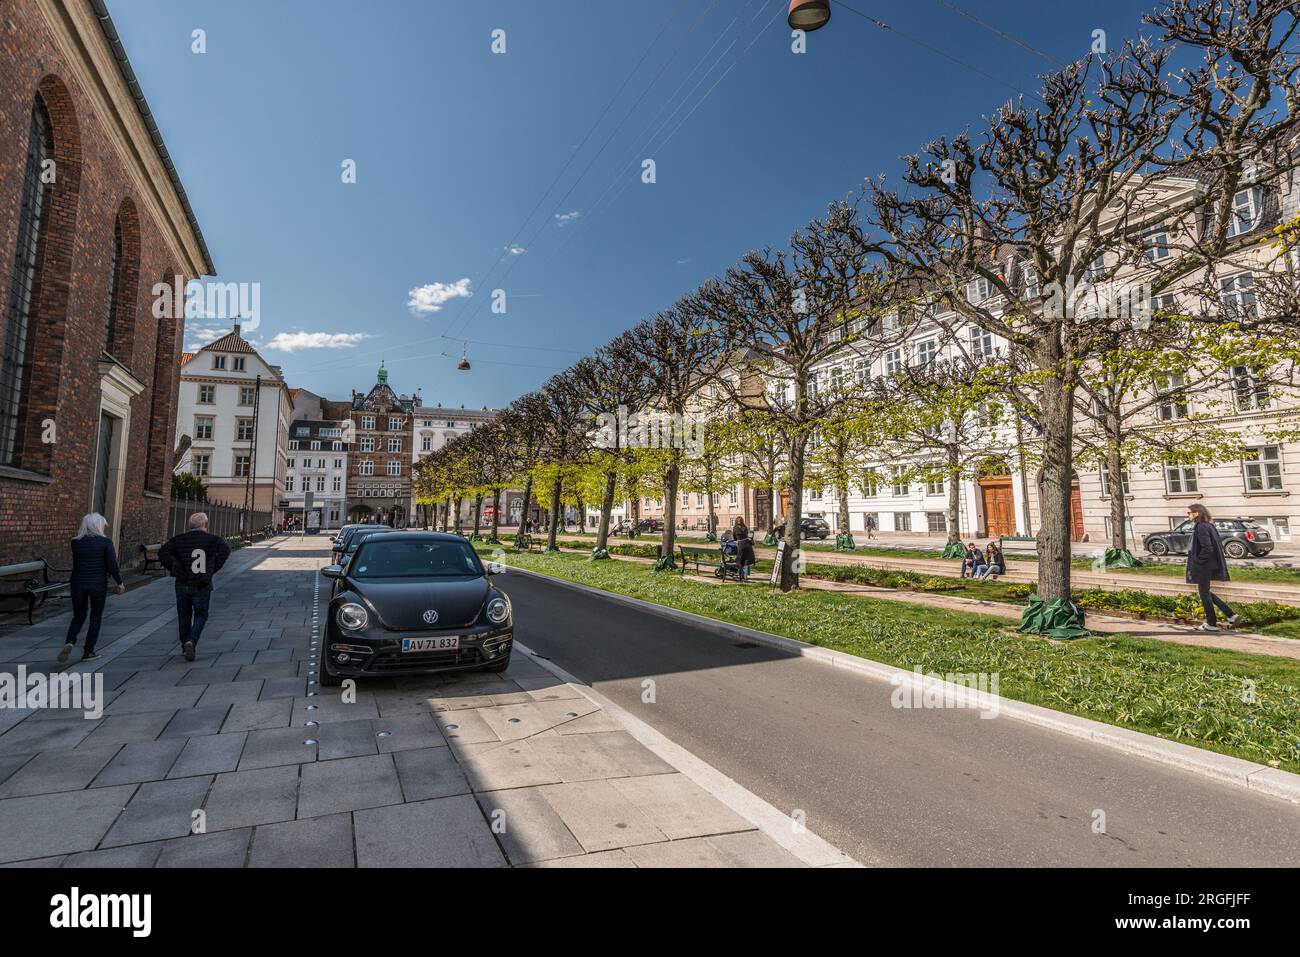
(339, 543)
(414, 603)
(1242, 538)
(808, 528)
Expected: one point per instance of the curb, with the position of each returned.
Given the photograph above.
(1257, 778)
(805, 845)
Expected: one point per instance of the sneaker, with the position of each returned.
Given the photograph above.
(1206, 626)
(67, 650)
(89, 656)
(188, 650)
(1233, 619)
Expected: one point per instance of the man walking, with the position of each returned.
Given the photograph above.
(192, 558)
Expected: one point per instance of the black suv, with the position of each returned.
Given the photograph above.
(1242, 538)
(808, 528)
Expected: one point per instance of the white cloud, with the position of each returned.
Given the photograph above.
(516, 250)
(200, 336)
(426, 299)
(563, 219)
(293, 341)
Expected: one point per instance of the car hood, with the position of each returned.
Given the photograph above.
(401, 603)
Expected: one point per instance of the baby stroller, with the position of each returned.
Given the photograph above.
(729, 567)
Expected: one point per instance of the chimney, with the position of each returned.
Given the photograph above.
(236, 329)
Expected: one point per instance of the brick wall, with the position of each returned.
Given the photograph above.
(43, 499)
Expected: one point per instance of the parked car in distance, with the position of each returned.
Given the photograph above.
(1242, 538)
(414, 603)
(808, 528)
(650, 525)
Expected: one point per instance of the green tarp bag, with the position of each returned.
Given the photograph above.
(954, 550)
(1120, 558)
(1059, 618)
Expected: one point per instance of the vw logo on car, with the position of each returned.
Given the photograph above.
(380, 622)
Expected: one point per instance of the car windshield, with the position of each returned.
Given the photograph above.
(360, 537)
(415, 558)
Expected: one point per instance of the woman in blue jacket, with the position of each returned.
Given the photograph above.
(1205, 564)
(93, 562)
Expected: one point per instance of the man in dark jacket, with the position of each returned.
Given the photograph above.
(1206, 563)
(192, 558)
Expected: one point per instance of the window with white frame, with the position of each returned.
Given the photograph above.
(1171, 405)
(927, 352)
(1249, 389)
(716, 499)
(861, 372)
(1262, 468)
(394, 444)
(320, 483)
(979, 289)
(426, 443)
(288, 483)
(315, 446)
(1105, 481)
(1155, 244)
(902, 521)
(207, 394)
(699, 500)
(900, 480)
(871, 484)
(202, 465)
(203, 428)
(1181, 479)
(244, 430)
(1031, 287)
(1095, 269)
(338, 463)
(218, 362)
(367, 443)
(936, 522)
(243, 466)
(367, 421)
(1237, 294)
(238, 363)
(895, 360)
(981, 341)
(1245, 211)
(935, 485)
(338, 483)
(246, 395)
(732, 497)
(394, 467)
(367, 467)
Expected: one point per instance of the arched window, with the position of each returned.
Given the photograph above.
(24, 279)
(114, 286)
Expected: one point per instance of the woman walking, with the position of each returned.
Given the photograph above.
(744, 547)
(1205, 564)
(93, 563)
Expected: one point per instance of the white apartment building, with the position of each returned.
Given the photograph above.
(235, 409)
(435, 426)
(317, 463)
(1264, 486)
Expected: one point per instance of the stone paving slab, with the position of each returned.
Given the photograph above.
(462, 770)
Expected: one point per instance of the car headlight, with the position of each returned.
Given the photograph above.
(498, 610)
(353, 616)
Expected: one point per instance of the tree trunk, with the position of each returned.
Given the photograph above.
(1115, 479)
(713, 512)
(843, 519)
(456, 518)
(789, 575)
(582, 516)
(478, 511)
(554, 523)
(1057, 411)
(606, 506)
(523, 512)
(496, 512)
(954, 494)
(668, 539)
(446, 515)
(636, 511)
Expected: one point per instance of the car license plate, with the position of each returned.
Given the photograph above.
(445, 643)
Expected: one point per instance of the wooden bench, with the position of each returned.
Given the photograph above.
(150, 553)
(34, 590)
(722, 565)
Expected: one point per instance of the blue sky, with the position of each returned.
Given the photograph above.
(455, 146)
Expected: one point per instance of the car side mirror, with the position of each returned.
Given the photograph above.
(332, 571)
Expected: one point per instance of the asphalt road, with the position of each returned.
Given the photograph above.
(897, 786)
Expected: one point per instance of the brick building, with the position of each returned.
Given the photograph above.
(92, 218)
(379, 466)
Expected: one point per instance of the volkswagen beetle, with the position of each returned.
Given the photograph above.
(414, 603)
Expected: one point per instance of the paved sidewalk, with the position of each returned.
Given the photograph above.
(469, 770)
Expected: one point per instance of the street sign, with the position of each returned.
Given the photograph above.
(308, 498)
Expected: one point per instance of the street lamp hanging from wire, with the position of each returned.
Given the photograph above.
(809, 15)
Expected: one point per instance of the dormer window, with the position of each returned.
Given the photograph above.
(239, 363)
(979, 290)
(1245, 211)
(218, 362)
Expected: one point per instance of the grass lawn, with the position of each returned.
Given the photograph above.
(1189, 694)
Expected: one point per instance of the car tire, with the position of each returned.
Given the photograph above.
(1234, 550)
(327, 678)
(1158, 547)
(498, 666)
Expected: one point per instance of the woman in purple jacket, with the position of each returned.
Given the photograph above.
(1205, 564)
(93, 562)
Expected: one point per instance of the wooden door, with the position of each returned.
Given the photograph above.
(999, 506)
(1076, 513)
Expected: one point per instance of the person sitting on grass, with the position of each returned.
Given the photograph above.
(995, 564)
(972, 561)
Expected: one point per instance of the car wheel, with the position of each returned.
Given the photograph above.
(1235, 550)
(1158, 547)
(327, 678)
(498, 666)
